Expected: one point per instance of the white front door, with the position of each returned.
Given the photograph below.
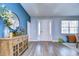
(44, 30)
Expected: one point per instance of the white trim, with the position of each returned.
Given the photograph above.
(38, 28)
(50, 27)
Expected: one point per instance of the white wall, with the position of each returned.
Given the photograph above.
(56, 26)
(33, 29)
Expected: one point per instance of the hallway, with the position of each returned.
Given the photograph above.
(49, 49)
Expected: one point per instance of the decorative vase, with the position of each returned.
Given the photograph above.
(10, 35)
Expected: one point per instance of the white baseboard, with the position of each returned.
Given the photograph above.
(43, 40)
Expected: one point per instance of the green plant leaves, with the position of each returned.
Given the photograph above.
(60, 40)
(4, 14)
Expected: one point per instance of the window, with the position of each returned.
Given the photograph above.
(69, 27)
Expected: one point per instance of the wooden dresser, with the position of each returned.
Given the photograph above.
(13, 46)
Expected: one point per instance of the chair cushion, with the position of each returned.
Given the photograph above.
(71, 38)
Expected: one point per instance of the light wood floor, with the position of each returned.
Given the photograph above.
(49, 49)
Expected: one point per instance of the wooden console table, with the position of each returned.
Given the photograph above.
(13, 46)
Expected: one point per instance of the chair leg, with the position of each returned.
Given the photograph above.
(77, 45)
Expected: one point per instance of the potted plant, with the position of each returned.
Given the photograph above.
(4, 15)
(60, 40)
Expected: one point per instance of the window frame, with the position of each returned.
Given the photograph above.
(77, 27)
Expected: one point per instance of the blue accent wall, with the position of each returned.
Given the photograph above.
(20, 12)
(1, 28)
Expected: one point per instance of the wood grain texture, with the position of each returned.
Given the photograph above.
(13, 46)
(49, 49)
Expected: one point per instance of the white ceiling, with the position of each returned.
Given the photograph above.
(54, 9)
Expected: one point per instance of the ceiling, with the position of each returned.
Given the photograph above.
(54, 9)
